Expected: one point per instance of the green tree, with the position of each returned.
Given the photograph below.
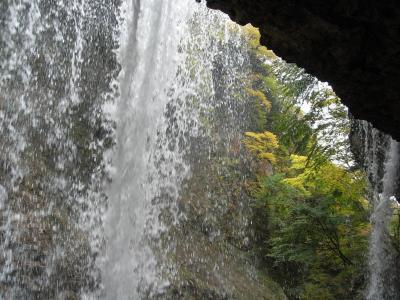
(311, 217)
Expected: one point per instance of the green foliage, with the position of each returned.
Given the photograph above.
(311, 217)
(317, 223)
(253, 37)
(395, 228)
(262, 145)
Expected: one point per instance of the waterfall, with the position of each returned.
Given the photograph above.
(167, 88)
(105, 109)
(122, 173)
(56, 68)
(382, 164)
(149, 56)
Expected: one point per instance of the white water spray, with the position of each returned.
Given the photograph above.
(382, 281)
(151, 34)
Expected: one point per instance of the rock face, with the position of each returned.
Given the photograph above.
(211, 251)
(213, 245)
(56, 65)
(370, 146)
(354, 45)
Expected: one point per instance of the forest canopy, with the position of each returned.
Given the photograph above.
(311, 215)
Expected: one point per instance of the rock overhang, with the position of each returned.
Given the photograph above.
(353, 45)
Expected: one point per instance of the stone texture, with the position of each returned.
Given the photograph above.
(354, 45)
(213, 247)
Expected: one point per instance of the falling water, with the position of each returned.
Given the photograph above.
(56, 68)
(382, 162)
(106, 108)
(149, 57)
(167, 52)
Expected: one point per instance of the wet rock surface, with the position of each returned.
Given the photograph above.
(56, 63)
(212, 247)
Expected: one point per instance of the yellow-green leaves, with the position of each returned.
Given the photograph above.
(297, 174)
(261, 98)
(262, 144)
(253, 35)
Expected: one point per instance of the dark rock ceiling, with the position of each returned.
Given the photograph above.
(354, 45)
